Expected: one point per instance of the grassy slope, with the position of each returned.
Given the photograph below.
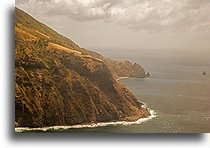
(29, 22)
(118, 68)
(55, 87)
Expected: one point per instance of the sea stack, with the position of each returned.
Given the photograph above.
(148, 74)
(204, 73)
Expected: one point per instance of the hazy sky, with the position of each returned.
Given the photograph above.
(127, 24)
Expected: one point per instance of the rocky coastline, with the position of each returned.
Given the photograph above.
(60, 84)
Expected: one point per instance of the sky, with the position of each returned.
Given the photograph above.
(127, 24)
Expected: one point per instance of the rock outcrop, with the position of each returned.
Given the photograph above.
(57, 86)
(121, 68)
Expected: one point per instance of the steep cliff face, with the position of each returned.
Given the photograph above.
(57, 83)
(121, 68)
(37, 30)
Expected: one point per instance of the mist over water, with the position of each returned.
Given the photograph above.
(177, 91)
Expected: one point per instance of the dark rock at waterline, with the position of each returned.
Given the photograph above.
(121, 68)
(204, 73)
(148, 74)
(57, 86)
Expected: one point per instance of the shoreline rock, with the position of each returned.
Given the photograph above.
(57, 86)
(89, 125)
(121, 68)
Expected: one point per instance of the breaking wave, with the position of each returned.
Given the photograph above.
(100, 124)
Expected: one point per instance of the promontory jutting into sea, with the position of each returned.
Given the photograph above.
(112, 66)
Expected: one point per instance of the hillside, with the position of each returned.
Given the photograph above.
(26, 23)
(58, 83)
(121, 68)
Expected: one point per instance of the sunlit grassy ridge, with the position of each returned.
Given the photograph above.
(58, 83)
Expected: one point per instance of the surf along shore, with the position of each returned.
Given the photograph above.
(153, 114)
(91, 125)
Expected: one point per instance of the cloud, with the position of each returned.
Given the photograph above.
(147, 15)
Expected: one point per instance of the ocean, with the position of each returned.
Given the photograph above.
(177, 92)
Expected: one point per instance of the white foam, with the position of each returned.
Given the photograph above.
(101, 124)
(120, 78)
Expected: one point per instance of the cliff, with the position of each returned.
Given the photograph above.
(121, 68)
(59, 83)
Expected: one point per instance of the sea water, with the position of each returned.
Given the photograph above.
(177, 92)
